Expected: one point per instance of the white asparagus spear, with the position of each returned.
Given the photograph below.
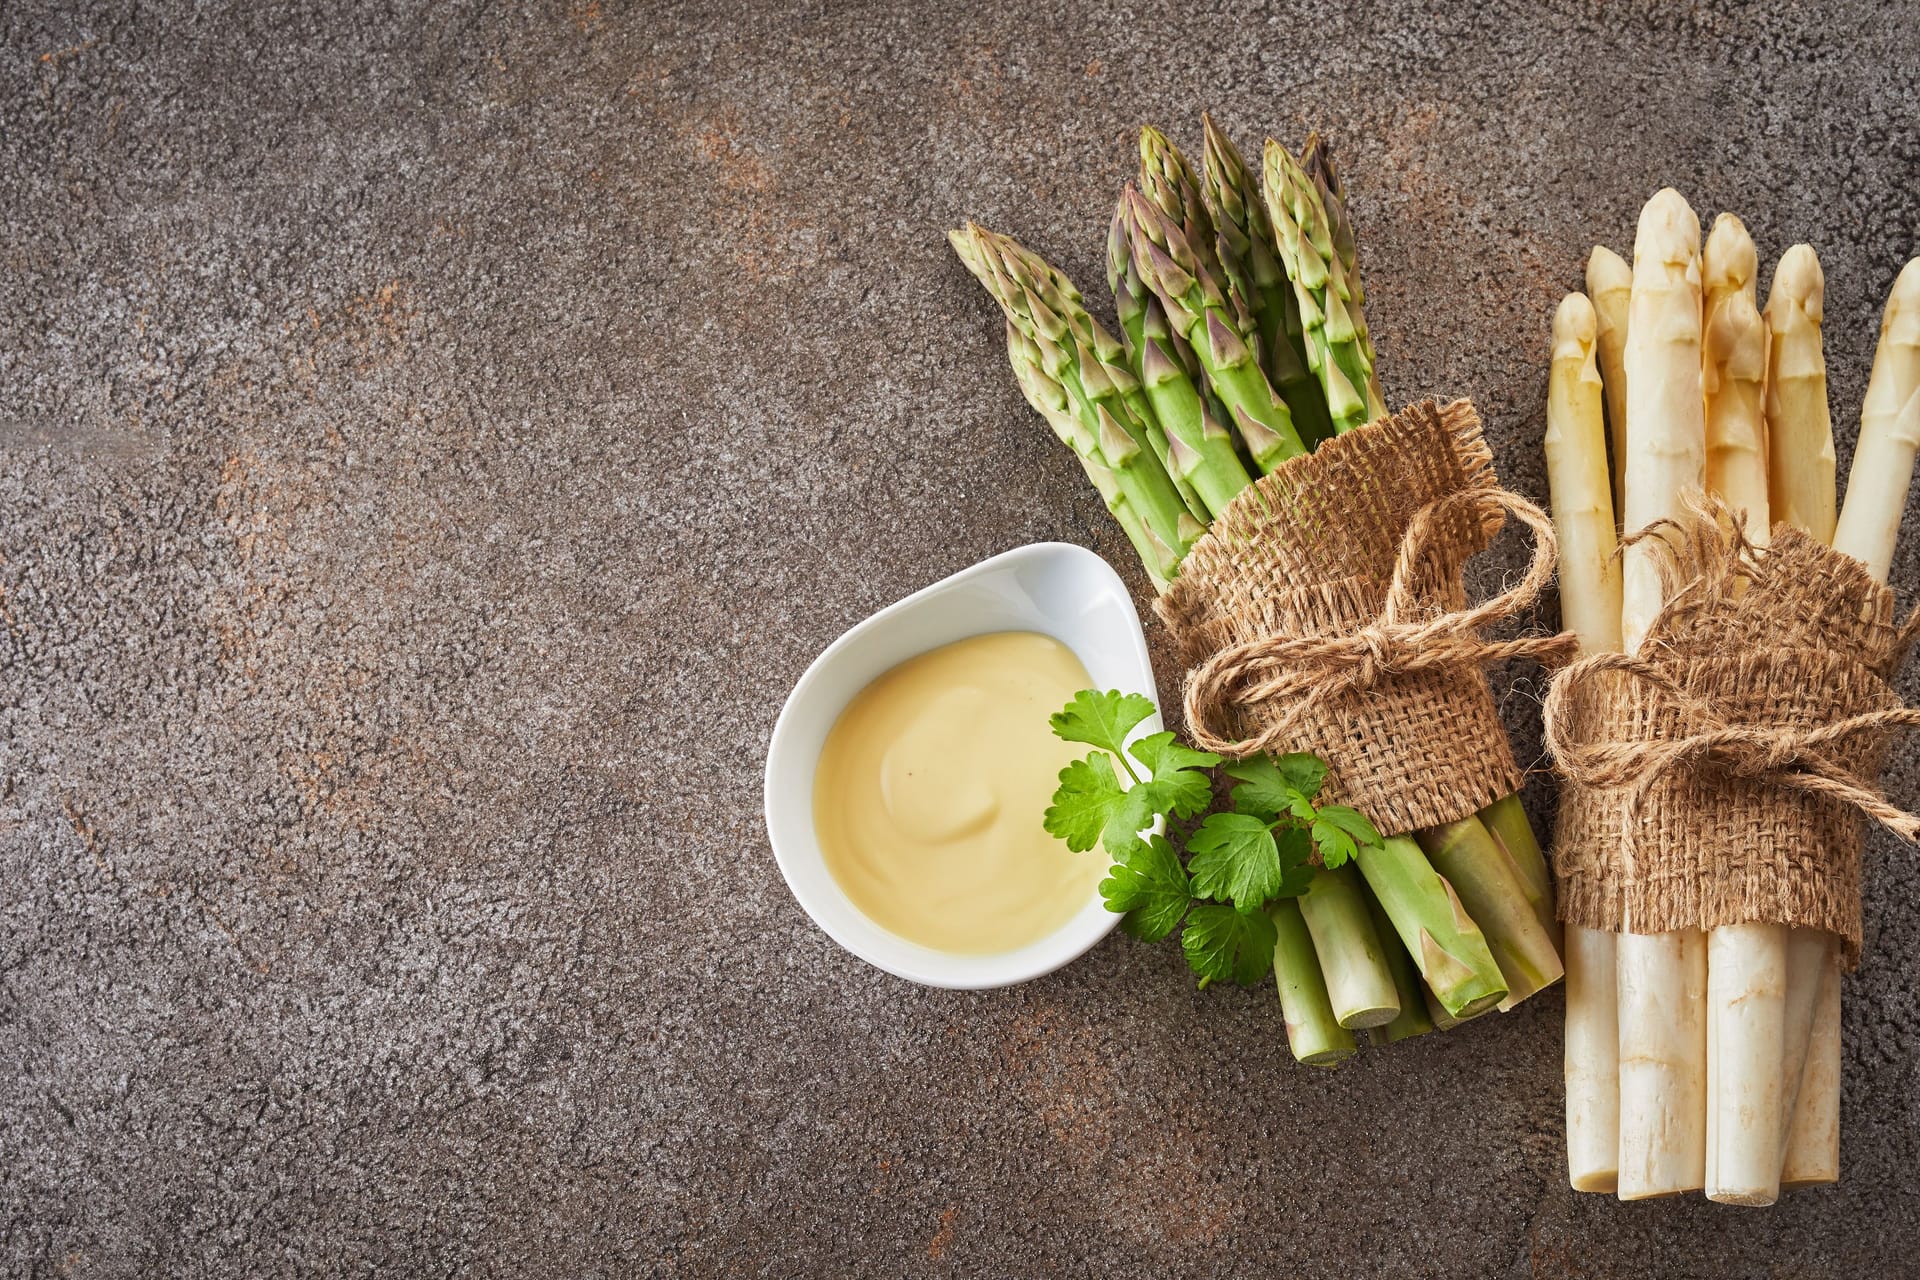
(1609, 285)
(1576, 447)
(1728, 266)
(1800, 471)
(1592, 1060)
(1661, 977)
(1582, 501)
(1746, 1016)
(1811, 953)
(1883, 459)
(1800, 448)
(1813, 1137)
(1746, 962)
(1736, 347)
(1868, 527)
(1734, 375)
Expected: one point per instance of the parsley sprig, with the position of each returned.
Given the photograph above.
(1178, 857)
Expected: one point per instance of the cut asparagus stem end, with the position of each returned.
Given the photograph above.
(1353, 961)
(1313, 1034)
(1443, 940)
(1492, 892)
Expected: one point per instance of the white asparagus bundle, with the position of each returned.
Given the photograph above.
(1746, 962)
(1576, 448)
(1610, 287)
(1661, 977)
(1728, 1053)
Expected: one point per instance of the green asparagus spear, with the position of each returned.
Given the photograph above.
(1506, 821)
(1493, 891)
(1200, 450)
(1359, 982)
(1170, 185)
(1050, 401)
(1221, 334)
(1313, 1033)
(1436, 930)
(1317, 161)
(1244, 245)
(1102, 360)
(1328, 316)
(1414, 1018)
(1065, 350)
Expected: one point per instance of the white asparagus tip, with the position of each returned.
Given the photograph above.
(1729, 262)
(1799, 280)
(1607, 271)
(1732, 344)
(1574, 327)
(1669, 232)
(1900, 322)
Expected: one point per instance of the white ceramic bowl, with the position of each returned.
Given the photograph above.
(1055, 588)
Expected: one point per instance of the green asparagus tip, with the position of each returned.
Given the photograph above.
(1119, 256)
(1229, 350)
(1162, 163)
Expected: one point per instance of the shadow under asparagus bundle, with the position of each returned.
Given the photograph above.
(1244, 383)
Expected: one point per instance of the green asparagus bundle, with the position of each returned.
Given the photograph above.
(1245, 342)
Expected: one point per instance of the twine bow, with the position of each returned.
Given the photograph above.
(1776, 754)
(1303, 672)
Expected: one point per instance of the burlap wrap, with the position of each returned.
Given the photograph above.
(1324, 612)
(1720, 775)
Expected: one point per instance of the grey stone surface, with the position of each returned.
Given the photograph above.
(436, 438)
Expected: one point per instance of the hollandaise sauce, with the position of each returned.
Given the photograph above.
(930, 791)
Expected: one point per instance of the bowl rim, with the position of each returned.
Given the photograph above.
(912, 961)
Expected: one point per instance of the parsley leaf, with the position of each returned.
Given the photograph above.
(1270, 846)
(1233, 856)
(1225, 942)
(1101, 719)
(1133, 814)
(1341, 832)
(1270, 786)
(1088, 795)
(1151, 887)
(1179, 786)
(1296, 861)
(1304, 770)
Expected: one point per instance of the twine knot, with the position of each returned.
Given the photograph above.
(1776, 754)
(1302, 672)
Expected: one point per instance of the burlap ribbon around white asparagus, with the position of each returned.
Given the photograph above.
(1720, 774)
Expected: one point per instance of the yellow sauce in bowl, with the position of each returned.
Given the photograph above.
(929, 793)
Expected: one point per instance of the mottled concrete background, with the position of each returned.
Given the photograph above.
(436, 438)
